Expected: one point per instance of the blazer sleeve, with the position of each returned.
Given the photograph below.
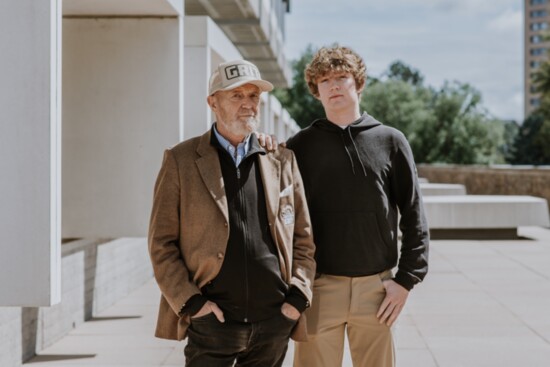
(303, 263)
(169, 266)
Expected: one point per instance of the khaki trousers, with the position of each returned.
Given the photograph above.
(344, 303)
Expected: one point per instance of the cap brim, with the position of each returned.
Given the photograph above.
(264, 86)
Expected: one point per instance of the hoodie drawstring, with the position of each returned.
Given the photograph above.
(354, 152)
(357, 153)
(349, 155)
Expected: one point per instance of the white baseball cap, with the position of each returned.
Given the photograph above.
(233, 74)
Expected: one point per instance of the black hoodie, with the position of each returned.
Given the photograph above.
(356, 180)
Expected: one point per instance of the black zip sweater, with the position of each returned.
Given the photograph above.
(356, 180)
(249, 286)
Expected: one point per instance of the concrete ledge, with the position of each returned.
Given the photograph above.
(96, 273)
(474, 234)
(458, 215)
(437, 189)
(483, 180)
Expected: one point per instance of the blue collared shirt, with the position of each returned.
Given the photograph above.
(237, 154)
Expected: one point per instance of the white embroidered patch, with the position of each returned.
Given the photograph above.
(287, 214)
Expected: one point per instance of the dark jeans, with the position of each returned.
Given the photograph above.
(259, 344)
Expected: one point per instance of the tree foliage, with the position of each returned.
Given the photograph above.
(400, 71)
(298, 101)
(532, 143)
(448, 125)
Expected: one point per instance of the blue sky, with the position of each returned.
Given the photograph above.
(475, 41)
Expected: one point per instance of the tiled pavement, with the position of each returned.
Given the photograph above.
(484, 303)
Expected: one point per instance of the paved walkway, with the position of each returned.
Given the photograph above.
(484, 303)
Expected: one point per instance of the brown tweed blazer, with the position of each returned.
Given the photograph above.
(189, 230)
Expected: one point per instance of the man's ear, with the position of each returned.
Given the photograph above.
(211, 100)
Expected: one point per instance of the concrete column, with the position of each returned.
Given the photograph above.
(199, 117)
(265, 123)
(275, 112)
(206, 46)
(30, 151)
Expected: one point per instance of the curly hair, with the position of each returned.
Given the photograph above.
(335, 59)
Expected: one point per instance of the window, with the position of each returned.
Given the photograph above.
(535, 64)
(534, 102)
(538, 13)
(538, 2)
(536, 38)
(537, 51)
(539, 26)
(533, 89)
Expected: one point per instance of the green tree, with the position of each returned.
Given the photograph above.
(527, 146)
(532, 145)
(398, 104)
(445, 126)
(298, 101)
(400, 71)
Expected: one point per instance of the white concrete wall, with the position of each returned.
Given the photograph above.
(30, 152)
(10, 336)
(122, 107)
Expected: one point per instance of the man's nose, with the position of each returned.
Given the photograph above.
(333, 84)
(249, 103)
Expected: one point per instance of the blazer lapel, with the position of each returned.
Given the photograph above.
(211, 172)
(271, 172)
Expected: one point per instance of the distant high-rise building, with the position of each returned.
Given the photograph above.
(537, 25)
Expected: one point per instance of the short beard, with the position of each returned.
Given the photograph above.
(251, 125)
(237, 127)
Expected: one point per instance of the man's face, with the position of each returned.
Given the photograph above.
(236, 110)
(338, 92)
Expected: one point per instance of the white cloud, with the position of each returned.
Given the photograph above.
(471, 7)
(509, 21)
(473, 41)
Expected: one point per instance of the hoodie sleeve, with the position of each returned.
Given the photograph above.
(413, 262)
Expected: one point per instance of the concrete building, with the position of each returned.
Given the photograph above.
(536, 25)
(91, 93)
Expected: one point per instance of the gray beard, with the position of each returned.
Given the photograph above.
(250, 127)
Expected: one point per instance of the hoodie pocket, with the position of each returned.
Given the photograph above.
(350, 242)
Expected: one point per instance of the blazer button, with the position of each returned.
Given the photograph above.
(220, 255)
(225, 224)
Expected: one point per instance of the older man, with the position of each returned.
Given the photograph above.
(230, 235)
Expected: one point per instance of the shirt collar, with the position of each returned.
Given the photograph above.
(236, 154)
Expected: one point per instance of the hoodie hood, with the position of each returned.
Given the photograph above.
(364, 122)
(347, 134)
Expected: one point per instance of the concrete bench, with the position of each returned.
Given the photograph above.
(435, 189)
(483, 216)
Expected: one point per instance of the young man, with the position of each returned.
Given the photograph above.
(358, 175)
(230, 235)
